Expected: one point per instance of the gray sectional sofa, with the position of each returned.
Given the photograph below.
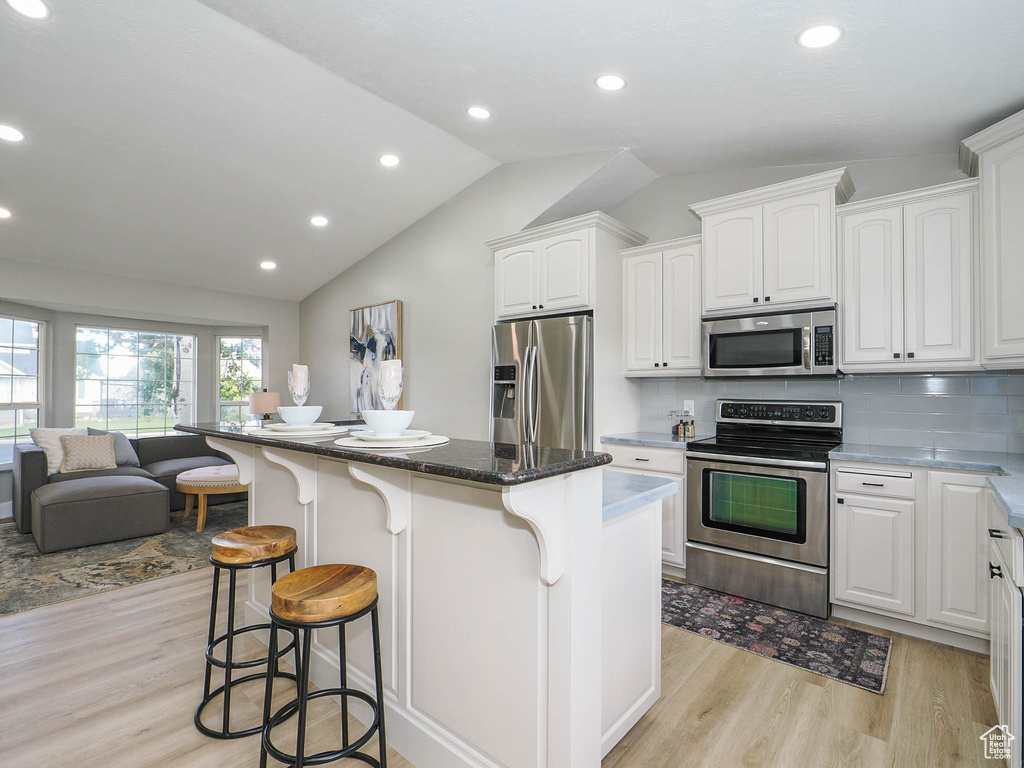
(79, 509)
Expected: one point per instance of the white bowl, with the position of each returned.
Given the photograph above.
(300, 415)
(388, 423)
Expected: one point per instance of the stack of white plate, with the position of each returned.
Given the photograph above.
(319, 429)
(367, 439)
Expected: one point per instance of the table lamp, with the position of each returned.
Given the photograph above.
(264, 404)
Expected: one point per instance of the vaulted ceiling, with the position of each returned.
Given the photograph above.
(186, 141)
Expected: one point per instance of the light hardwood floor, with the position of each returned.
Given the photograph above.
(111, 680)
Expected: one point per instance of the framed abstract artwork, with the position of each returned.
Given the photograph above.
(375, 334)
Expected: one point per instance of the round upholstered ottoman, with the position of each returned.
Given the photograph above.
(206, 481)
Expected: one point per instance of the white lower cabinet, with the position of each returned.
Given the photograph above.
(874, 556)
(1006, 614)
(912, 544)
(669, 463)
(957, 550)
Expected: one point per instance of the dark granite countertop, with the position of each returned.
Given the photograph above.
(474, 460)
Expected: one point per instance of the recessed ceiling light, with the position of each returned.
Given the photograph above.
(268, 265)
(610, 83)
(319, 221)
(4, 213)
(9, 133)
(479, 113)
(34, 9)
(820, 37)
(389, 161)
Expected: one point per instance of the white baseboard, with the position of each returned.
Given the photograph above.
(673, 570)
(922, 631)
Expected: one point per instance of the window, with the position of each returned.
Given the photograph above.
(134, 382)
(20, 389)
(241, 374)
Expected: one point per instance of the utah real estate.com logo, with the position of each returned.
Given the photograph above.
(997, 742)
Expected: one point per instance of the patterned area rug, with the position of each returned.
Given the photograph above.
(30, 580)
(832, 650)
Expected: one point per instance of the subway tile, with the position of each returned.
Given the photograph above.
(943, 422)
(899, 437)
(970, 404)
(666, 386)
(812, 390)
(996, 423)
(1015, 404)
(970, 442)
(857, 404)
(856, 435)
(872, 419)
(934, 385)
(1016, 444)
(904, 403)
(869, 385)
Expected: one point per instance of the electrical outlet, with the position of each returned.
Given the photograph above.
(688, 408)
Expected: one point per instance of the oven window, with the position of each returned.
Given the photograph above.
(756, 349)
(774, 507)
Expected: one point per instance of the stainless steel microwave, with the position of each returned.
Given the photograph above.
(781, 344)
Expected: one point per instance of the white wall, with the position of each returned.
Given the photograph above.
(72, 293)
(444, 275)
(661, 209)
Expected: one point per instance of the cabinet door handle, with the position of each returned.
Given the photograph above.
(534, 306)
(994, 571)
(895, 355)
(656, 365)
(542, 306)
(664, 365)
(767, 298)
(840, 501)
(910, 355)
(755, 300)
(874, 485)
(637, 458)
(995, 533)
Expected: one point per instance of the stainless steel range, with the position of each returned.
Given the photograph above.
(757, 502)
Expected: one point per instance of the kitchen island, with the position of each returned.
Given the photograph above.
(491, 583)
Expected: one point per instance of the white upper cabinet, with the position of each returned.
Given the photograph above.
(908, 280)
(681, 307)
(553, 268)
(772, 246)
(661, 309)
(516, 279)
(734, 271)
(565, 271)
(799, 254)
(642, 308)
(872, 297)
(997, 156)
(938, 252)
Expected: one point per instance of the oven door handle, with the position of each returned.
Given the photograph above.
(725, 458)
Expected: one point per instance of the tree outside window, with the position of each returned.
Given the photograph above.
(241, 374)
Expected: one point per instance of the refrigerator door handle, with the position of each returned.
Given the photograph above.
(531, 394)
(534, 386)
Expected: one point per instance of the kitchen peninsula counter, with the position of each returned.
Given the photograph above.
(494, 564)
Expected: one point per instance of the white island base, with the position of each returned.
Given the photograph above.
(495, 652)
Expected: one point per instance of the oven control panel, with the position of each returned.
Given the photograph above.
(825, 414)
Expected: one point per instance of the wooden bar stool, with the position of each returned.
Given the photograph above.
(243, 548)
(314, 598)
(206, 481)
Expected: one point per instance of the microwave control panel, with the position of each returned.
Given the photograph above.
(823, 352)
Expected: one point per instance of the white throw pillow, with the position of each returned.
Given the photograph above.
(49, 441)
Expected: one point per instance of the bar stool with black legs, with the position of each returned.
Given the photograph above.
(232, 551)
(319, 597)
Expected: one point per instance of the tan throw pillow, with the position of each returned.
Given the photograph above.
(49, 441)
(83, 452)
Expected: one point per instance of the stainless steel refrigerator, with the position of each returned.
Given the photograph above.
(542, 389)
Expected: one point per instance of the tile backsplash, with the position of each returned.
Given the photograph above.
(977, 411)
